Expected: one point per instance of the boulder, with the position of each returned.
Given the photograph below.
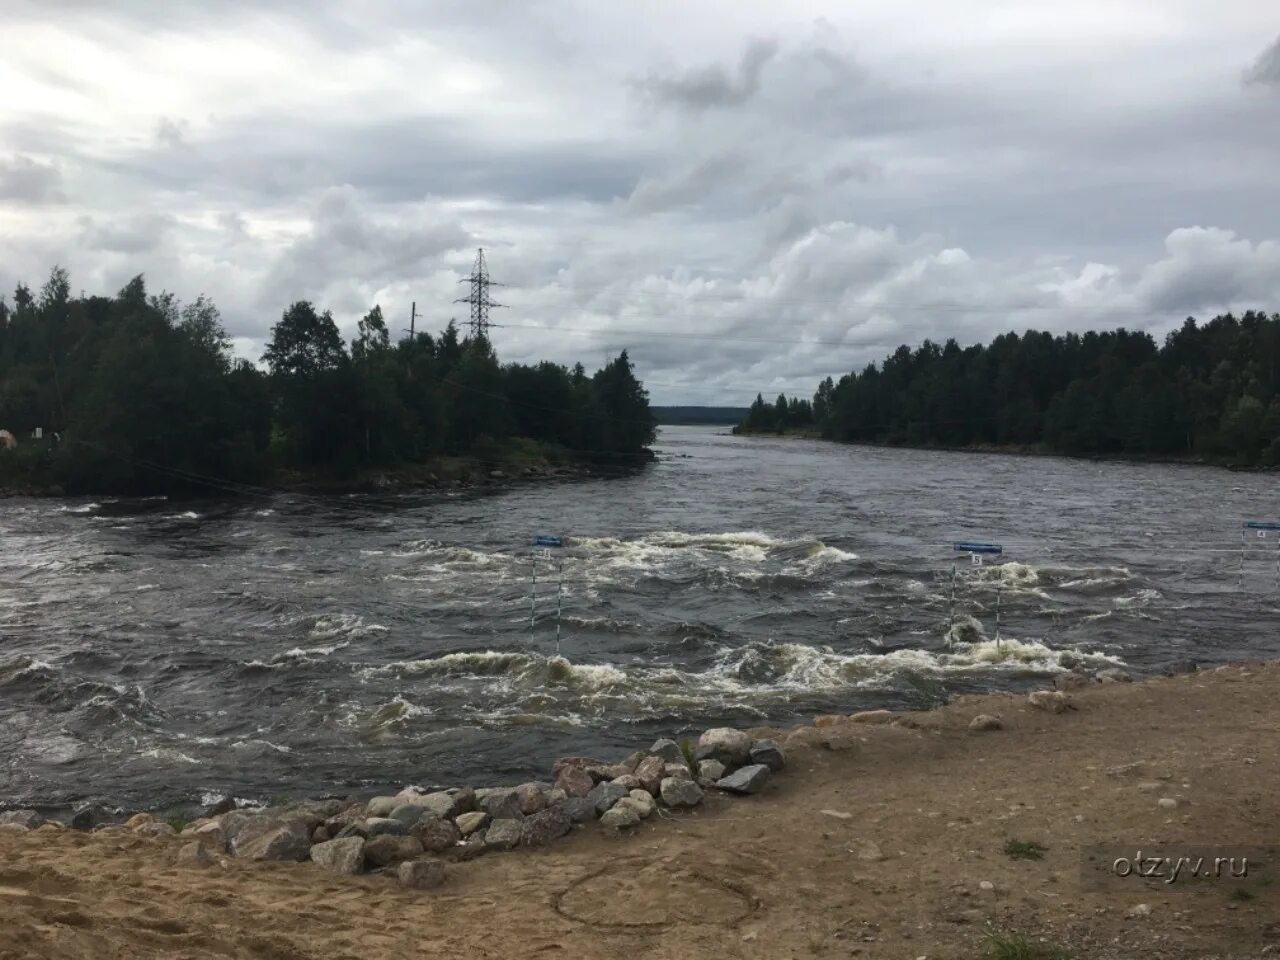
(632, 760)
(503, 834)
(407, 813)
(193, 854)
(87, 817)
(27, 819)
(804, 738)
(1051, 701)
(668, 750)
(320, 835)
(579, 809)
(871, 716)
(830, 720)
(711, 770)
(288, 842)
(502, 805)
(445, 804)
(219, 807)
(378, 826)
(212, 836)
(680, 770)
(731, 747)
(680, 792)
(642, 800)
(984, 722)
(628, 782)
(469, 823)
(541, 828)
(649, 773)
(436, 835)
(156, 830)
(575, 781)
(344, 856)
(768, 753)
(574, 763)
(139, 820)
(532, 798)
(605, 795)
(749, 779)
(421, 874)
(381, 806)
(1072, 680)
(620, 815)
(1113, 675)
(384, 850)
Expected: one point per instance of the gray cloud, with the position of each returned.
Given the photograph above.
(24, 180)
(1265, 71)
(748, 216)
(702, 88)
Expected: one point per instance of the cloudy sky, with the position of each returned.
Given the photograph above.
(747, 195)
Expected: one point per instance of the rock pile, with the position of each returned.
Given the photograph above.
(408, 835)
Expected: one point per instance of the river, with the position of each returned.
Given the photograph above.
(155, 652)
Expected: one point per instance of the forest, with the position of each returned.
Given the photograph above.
(1210, 391)
(139, 393)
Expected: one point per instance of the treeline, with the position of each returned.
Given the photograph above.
(780, 416)
(137, 393)
(1208, 391)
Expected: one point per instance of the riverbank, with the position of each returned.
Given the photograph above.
(1017, 450)
(882, 840)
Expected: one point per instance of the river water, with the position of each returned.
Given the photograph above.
(157, 651)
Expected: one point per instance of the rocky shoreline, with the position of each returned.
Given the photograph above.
(413, 833)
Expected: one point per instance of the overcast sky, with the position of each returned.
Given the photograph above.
(747, 195)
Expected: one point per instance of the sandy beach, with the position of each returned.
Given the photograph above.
(878, 841)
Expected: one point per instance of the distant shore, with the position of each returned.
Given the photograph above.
(1014, 450)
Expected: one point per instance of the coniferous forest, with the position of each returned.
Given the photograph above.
(1210, 391)
(138, 393)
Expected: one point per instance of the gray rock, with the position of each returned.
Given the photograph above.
(344, 856)
(532, 797)
(193, 854)
(320, 835)
(620, 815)
(378, 826)
(984, 722)
(749, 779)
(605, 795)
(731, 747)
(1113, 675)
(212, 836)
(711, 770)
(575, 781)
(1050, 701)
(469, 823)
(502, 805)
(677, 770)
(649, 773)
(642, 800)
(384, 850)
(218, 808)
(27, 819)
(545, 826)
(769, 753)
(381, 806)
(579, 809)
(407, 813)
(352, 830)
(421, 874)
(668, 750)
(446, 804)
(87, 817)
(679, 792)
(503, 834)
(289, 842)
(1072, 680)
(436, 835)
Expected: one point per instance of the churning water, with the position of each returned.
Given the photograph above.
(153, 651)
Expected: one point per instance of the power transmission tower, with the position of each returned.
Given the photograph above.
(479, 296)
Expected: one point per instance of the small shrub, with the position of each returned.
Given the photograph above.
(686, 748)
(175, 819)
(1024, 850)
(1015, 946)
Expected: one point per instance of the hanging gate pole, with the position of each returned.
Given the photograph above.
(998, 587)
(559, 595)
(533, 590)
(951, 609)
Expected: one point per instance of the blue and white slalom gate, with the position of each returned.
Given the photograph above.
(1254, 536)
(977, 550)
(545, 544)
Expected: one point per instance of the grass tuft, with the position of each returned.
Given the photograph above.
(1024, 850)
(686, 748)
(1015, 946)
